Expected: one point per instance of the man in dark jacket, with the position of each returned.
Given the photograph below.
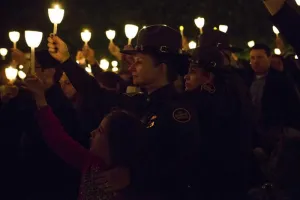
(273, 96)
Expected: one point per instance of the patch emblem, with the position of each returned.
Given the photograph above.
(181, 115)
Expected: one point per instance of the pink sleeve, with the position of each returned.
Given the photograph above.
(60, 142)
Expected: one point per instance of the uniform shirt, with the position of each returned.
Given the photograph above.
(168, 142)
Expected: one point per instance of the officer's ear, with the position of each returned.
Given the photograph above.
(159, 62)
(164, 67)
(205, 73)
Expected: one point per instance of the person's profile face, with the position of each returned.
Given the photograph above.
(195, 78)
(99, 140)
(144, 71)
(67, 86)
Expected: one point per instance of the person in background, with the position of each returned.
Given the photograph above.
(84, 105)
(267, 83)
(111, 81)
(61, 178)
(115, 51)
(289, 61)
(179, 84)
(125, 61)
(285, 18)
(126, 76)
(277, 63)
(215, 38)
(7, 91)
(80, 59)
(67, 88)
(13, 120)
(226, 126)
(107, 80)
(286, 183)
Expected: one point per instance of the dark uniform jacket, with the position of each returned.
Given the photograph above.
(168, 143)
(226, 127)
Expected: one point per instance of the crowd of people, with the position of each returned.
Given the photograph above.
(172, 124)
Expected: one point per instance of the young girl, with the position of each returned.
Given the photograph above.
(113, 144)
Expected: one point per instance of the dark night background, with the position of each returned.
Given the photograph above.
(247, 19)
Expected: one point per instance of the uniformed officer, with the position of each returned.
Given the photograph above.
(171, 129)
(225, 125)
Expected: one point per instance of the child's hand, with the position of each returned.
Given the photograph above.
(8, 92)
(37, 87)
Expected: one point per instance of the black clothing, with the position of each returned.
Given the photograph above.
(169, 140)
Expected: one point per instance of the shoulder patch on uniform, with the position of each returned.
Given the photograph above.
(181, 115)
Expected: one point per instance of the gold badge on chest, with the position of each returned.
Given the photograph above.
(151, 121)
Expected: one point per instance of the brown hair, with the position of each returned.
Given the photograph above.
(111, 80)
(176, 64)
(123, 133)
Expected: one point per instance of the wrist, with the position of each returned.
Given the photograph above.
(49, 84)
(39, 107)
(65, 59)
(92, 61)
(41, 101)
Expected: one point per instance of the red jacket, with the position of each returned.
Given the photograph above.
(74, 154)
